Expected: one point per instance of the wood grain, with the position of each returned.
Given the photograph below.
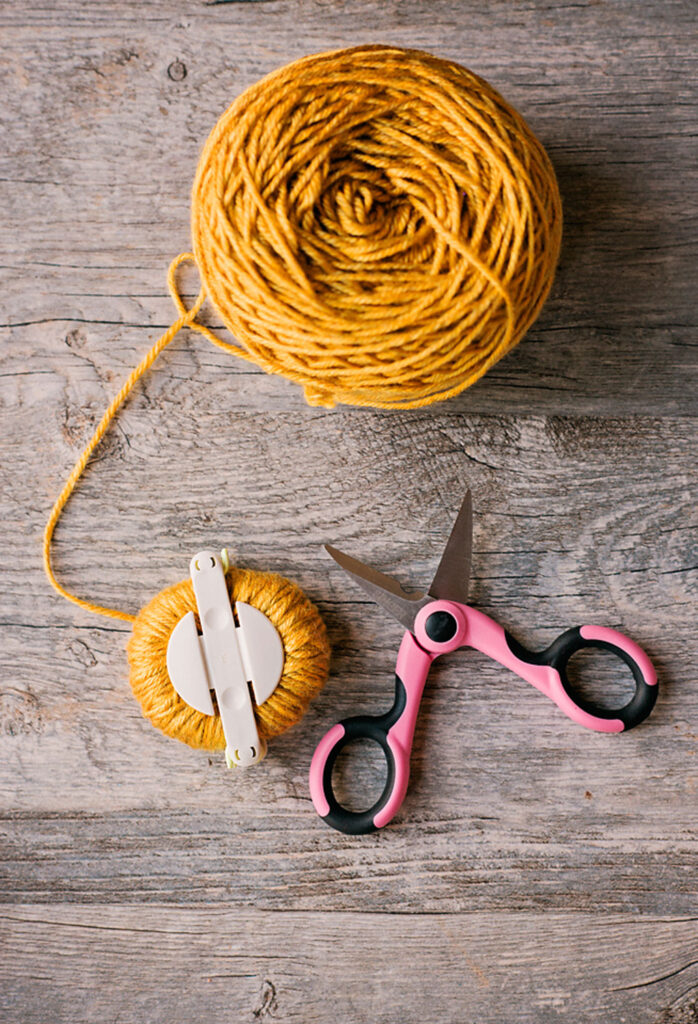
(537, 872)
(175, 964)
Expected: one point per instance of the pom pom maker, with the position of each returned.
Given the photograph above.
(240, 657)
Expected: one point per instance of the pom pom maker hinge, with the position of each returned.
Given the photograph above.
(239, 657)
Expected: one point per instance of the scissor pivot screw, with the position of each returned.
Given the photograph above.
(441, 627)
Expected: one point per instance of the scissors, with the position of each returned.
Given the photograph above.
(441, 621)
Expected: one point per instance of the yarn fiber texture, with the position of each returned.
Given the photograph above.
(306, 657)
(376, 224)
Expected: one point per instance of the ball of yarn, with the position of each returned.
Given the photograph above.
(306, 657)
(376, 224)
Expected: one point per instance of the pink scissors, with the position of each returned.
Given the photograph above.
(439, 622)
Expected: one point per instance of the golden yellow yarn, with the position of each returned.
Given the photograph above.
(375, 224)
(306, 657)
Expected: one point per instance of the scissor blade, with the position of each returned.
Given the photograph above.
(452, 578)
(384, 590)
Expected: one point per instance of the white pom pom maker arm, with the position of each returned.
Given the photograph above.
(240, 654)
(440, 622)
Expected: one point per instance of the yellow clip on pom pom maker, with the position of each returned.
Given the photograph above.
(240, 654)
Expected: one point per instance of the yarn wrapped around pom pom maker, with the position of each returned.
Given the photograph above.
(277, 643)
(239, 654)
(380, 227)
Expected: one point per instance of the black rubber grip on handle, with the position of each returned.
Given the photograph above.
(558, 655)
(370, 727)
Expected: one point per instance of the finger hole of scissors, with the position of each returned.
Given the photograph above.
(600, 677)
(359, 774)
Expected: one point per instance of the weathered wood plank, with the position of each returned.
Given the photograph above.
(175, 965)
(277, 856)
(574, 517)
(102, 136)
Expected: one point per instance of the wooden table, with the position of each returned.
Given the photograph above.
(537, 872)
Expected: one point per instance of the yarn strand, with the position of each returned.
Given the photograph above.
(375, 224)
(186, 319)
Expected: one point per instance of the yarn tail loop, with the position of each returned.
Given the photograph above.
(185, 319)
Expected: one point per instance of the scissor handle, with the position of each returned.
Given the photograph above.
(370, 727)
(578, 708)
